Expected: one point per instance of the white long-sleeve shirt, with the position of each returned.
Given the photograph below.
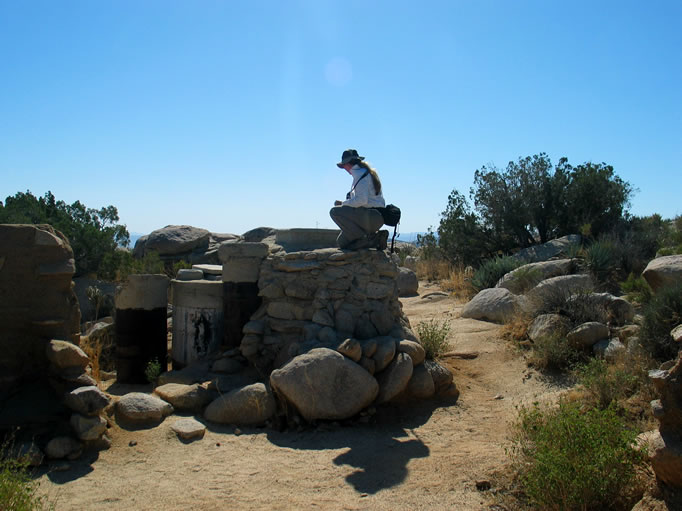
(363, 194)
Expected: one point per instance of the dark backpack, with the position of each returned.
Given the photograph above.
(391, 214)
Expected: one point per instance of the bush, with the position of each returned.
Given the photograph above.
(554, 352)
(568, 459)
(18, 491)
(601, 260)
(152, 371)
(458, 282)
(610, 383)
(492, 270)
(433, 337)
(636, 289)
(661, 315)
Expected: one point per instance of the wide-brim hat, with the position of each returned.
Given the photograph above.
(348, 156)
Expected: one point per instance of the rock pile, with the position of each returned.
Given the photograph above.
(666, 443)
(37, 302)
(69, 370)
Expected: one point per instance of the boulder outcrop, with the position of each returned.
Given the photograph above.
(663, 271)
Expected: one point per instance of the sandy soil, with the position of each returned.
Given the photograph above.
(425, 456)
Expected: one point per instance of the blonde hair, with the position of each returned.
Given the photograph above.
(373, 174)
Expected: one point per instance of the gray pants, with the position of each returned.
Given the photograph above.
(355, 223)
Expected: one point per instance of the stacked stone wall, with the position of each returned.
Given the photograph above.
(320, 298)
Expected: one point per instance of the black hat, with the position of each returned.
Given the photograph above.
(348, 156)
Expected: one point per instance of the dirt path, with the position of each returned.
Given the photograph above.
(425, 456)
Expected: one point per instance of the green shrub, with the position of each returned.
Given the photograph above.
(433, 337)
(152, 371)
(610, 383)
(661, 315)
(636, 289)
(18, 490)
(493, 270)
(554, 352)
(573, 460)
(602, 260)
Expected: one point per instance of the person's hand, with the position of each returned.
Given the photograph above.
(337, 203)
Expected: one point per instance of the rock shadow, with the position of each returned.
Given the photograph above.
(379, 450)
(77, 468)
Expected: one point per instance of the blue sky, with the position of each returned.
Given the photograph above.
(230, 115)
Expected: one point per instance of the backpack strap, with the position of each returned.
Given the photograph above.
(361, 178)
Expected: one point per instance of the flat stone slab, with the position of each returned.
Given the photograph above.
(209, 269)
(306, 239)
(189, 429)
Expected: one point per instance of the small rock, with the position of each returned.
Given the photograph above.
(413, 349)
(86, 400)
(483, 485)
(394, 379)
(386, 348)
(88, 428)
(184, 397)
(139, 407)
(189, 428)
(62, 447)
(351, 349)
(63, 355)
(587, 334)
(249, 405)
(237, 431)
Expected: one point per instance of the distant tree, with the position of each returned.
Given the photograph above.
(95, 235)
(531, 201)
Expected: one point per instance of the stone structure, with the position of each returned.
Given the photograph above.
(318, 299)
(37, 301)
(666, 444)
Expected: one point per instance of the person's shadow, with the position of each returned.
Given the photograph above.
(379, 450)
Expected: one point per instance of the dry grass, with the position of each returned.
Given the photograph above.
(432, 269)
(516, 329)
(94, 352)
(453, 280)
(458, 283)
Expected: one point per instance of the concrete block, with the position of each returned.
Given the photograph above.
(197, 294)
(144, 292)
(232, 249)
(186, 274)
(241, 269)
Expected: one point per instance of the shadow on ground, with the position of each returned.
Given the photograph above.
(379, 451)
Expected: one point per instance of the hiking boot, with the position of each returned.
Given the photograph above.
(360, 243)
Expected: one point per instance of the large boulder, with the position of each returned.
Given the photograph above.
(408, 284)
(619, 310)
(547, 325)
(323, 384)
(666, 458)
(137, 407)
(493, 304)
(588, 334)
(663, 271)
(176, 239)
(553, 248)
(37, 302)
(247, 406)
(529, 275)
(563, 285)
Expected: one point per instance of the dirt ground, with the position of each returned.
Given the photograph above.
(424, 456)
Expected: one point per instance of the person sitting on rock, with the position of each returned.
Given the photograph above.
(357, 217)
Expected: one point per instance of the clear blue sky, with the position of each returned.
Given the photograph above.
(230, 115)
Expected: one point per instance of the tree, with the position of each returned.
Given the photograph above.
(531, 201)
(94, 234)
